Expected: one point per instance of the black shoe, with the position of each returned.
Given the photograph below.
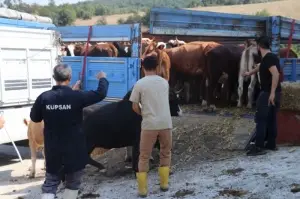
(256, 151)
(271, 148)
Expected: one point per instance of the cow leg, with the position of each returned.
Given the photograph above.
(210, 91)
(251, 90)
(91, 161)
(240, 90)
(187, 91)
(43, 152)
(95, 163)
(33, 158)
(128, 155)
(204, 85)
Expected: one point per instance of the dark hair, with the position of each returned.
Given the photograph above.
(150, 63)
(264, 42)
(62, 72)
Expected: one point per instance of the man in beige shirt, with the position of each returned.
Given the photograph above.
(152, 92)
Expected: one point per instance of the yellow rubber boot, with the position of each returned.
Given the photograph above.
(164, 178)
(142, 184)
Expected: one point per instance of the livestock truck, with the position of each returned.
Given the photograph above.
(28, 52)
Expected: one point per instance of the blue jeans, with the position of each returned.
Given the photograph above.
(266, 120)
(52, 181)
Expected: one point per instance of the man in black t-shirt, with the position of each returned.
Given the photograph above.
(268, 100)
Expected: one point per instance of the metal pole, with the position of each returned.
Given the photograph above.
(20, 158)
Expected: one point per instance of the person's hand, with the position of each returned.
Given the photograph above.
(272, 98)
(2, 122)
(246, 74)
(77, 85)
(101, 75)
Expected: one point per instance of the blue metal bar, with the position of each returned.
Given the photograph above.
(294, 72)
(122, 32)
(275, 34)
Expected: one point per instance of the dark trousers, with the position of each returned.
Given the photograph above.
(266, 120)
(52, 182)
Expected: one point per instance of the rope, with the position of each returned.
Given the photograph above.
(85, 55)
(291, 38)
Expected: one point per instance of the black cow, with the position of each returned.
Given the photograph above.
(116, 125)
(121, 50)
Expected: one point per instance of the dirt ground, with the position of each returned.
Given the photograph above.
(203, 146)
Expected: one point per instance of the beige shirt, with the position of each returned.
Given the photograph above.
(153, 93)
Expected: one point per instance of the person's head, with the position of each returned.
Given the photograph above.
(149, 64)
(263, 45)
(62, 74)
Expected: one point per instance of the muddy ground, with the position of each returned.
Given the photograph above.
(201, 142)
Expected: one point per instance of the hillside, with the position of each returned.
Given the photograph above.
(288, 8)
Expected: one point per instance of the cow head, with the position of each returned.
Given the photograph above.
(251, 50)
(175, 109)
(161, 45)
(175, 42)
(150, 48)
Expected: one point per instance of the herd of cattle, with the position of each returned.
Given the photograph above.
(209, 69)
(200, 71)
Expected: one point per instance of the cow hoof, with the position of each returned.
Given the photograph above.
(204, 103)
(31, 175)
(249, 106)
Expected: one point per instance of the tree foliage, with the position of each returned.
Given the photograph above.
(65, 14)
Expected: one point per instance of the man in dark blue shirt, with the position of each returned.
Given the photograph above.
(65, 148)
(268, 101)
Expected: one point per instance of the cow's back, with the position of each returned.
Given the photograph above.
(112, 126)
(190, 58)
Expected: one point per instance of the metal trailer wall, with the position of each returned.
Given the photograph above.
(166, 21)
(24, 24)
(122, 72)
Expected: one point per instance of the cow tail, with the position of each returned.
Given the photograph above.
(160, 60)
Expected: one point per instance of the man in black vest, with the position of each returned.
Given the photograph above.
(65, 147)
(268, 101)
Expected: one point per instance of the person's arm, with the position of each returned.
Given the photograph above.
(253, 71)
(36, 113)
(275, 77)
(135, 98)
(92, 97)
(2, 122)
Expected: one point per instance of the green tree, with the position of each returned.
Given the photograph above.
(66, 16)
(101, 21)
(263, 13)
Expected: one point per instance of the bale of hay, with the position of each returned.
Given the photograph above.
(290, 96)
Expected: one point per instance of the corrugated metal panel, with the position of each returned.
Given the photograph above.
(199, 23)
(100, 33)
(122, 73)
(291, 69)
(286, 25)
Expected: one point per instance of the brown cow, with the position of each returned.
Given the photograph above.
(222, 69)
(164, 65)
(189, 62)
(36, 142)
(96, 50)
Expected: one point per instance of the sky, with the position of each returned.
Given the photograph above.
(43, 2)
